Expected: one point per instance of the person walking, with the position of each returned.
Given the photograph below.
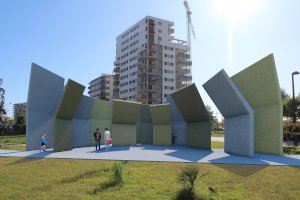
(97, 136)
(43, 142)
(107, 138)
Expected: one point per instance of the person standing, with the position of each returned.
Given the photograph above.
(97, 136)
(107, 138)
(43, 142)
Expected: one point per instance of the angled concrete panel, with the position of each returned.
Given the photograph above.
(239, 116)
(162, 134)
(144, 126)
(125, 112)
(81, 123)
(45, 91)
(65, 113)
(178, 124)
(125, 115)
(84, 108)
(37, 123)
(123, 134)
(161, 119)
(68, 105)
(101, 117)
(63, 135)
(80, 133)
(193, 111)
(260, 86)
(198, 136)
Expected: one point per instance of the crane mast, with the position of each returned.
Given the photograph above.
(189, 24)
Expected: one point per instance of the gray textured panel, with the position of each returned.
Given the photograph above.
(179, 130)
(84, 108)
(145, 131)
(39, 122)
(45, 91)
(144, 127)
(178, 124)
(81, 133)
(237, 138)
(239, 116)
(226, 95)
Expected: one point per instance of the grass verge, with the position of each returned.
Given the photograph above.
(23, 178)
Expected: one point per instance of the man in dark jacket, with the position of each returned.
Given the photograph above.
(97, 136)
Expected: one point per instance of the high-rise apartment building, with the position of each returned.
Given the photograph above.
(19, 110)
(150, 62)
(102, 87)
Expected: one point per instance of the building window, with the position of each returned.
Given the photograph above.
(169, 88)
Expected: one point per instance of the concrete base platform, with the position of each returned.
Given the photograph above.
(160, 154)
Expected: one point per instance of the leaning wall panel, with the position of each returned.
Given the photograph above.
(39, 122)
(239, 131)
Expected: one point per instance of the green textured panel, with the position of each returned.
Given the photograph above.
(197, 134)
(101, 124)
(123, 134)
(260, 86)
(267, 130)
(102, 110)
(63, 135)
(162, 135)
(160, 114)
(190, 104)
(70, 100)
(125, 112)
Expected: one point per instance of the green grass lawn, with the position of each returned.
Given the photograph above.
(15, 142)
(217, 134)
(23, 178)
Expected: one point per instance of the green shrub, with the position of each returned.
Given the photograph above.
(117, 173)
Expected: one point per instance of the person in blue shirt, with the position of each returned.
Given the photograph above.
(43, 142)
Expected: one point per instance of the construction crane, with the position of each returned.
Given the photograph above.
(190, 28)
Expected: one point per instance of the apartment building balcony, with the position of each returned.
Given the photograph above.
(151, 30)
(183, 56)
(117, 63)
(185, 77)
(151, 22)
(171, 31)
(184, 63)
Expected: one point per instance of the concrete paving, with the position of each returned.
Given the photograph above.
(160, 154)
(217, 139)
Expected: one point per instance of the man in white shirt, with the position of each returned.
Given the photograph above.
(107, 138)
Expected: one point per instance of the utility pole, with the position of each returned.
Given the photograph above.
(294, 101)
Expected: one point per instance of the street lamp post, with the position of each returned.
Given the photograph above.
(294, 102)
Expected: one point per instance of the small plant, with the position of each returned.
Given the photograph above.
(188, 176)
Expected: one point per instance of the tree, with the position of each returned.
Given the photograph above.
(214, 120)
(288, 105)
(21, 120)
(2, 101)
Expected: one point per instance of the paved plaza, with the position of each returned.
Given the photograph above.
(160, 154)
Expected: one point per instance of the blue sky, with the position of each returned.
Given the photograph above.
(76, 39)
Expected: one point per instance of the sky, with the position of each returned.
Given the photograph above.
(76, 38)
